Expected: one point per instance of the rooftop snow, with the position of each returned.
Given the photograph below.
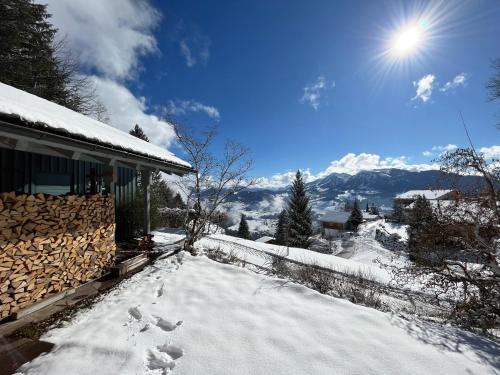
(335, 216)
(428, 194)
(35, 110)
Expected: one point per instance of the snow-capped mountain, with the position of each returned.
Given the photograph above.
(261, 206)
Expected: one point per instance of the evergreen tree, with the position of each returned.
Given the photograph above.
(281, 234)
(178, 202)
(367, 207)
(398, 214)
(139, 133)
(33, 61)
(243, 230)
(374, 210)
(421, 218)
(161, 194)
(299, 213)
(356, 217)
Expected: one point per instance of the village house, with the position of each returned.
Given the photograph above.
(64, 181)
(334, 223)
(407, 198)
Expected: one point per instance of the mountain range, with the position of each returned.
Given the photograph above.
(261, 206)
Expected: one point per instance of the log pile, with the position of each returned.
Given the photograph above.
(52, 243)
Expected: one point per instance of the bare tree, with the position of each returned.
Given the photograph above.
(458, 255)
(493, 85)
(79, 91)
(215, 180)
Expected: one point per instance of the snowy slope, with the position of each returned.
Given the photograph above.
(36, 110)
(230, 244)
(208, 318)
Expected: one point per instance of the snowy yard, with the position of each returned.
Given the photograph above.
(203, 317)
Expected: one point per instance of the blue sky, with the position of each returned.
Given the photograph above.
(302, 84)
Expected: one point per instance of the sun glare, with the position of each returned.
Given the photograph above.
(407, 41)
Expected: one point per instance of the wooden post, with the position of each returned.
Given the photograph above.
(146, 182)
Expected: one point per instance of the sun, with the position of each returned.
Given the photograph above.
(407, 40)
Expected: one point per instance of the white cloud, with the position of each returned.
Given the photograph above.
(125, 110)
(424, 87)
(186, 52)
(440, 150)
(313, 92)
(109, 36)
(350, 164)
(181, 107)
(459, 80)
(283, 179)
(193, 44)
(490, 152)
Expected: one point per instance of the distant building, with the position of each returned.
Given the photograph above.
(334, 223)
(265, 239)
(369, 217)
(407, 198)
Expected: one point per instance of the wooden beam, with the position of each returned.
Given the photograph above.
(146, 182)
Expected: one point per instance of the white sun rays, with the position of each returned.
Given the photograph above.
(415, 34)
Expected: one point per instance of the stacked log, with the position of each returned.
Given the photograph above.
(51, 243)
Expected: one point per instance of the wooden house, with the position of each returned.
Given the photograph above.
(63, 179)
(334, 223)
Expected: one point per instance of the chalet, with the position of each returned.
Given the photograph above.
(407, 198)
(65, 179)
(334, 223)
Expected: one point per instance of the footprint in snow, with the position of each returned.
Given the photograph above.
(135, 313)
(159, 291)
(166, 325)
(163, 357)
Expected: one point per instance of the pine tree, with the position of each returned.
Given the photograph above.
(178, 202)
(243, 230)
(33, 61)
(398, 214)
(161, 194)
(420, 218)
(139, 133)
(281, 234)
(299, 213)
(374, 210)
(356, 217)
(367, 207)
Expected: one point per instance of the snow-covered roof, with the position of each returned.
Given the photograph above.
(369, 216)
(264, 239)
(34, 110)
(331, 216)
(428, 194)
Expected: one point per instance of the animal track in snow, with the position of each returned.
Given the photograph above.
(135, 313)
(166, 325)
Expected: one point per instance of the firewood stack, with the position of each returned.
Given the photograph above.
(52, 243)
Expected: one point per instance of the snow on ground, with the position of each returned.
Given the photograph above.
(209, 318)
(255, 252)
(363, 247)
(167, 236)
